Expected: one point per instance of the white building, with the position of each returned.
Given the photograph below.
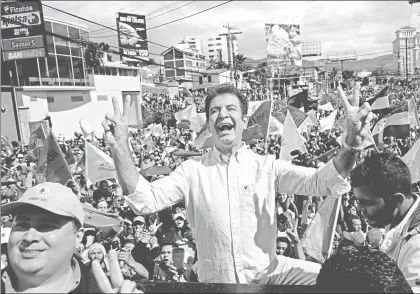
(62, 86)
(411, 57)
(219, 48)
(190, 44)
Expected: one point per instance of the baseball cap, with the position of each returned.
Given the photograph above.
(176, 215)
(139, 219)
(52, 197)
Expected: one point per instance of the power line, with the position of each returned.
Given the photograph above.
(163, 8)
(98, 24)
(166, 12)
(188, 16)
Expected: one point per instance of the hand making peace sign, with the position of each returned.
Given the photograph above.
(357, 119)
(119, 285)
(116, 125)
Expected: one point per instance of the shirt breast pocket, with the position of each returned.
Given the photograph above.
(249, 197)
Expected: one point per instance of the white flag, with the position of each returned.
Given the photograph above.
(292, 140)
(99, 166)
(327, 123)
(186, 113)
(412, 159)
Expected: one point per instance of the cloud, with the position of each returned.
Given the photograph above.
(364, 26)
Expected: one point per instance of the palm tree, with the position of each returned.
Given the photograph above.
(239, 64)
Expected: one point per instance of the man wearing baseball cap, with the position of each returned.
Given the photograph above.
(42, 243)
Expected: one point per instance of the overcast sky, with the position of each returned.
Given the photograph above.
(364, 26)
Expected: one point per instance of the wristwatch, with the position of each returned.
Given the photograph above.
(349, 148)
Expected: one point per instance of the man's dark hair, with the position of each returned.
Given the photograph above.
(225, 89)
(384, 173)
(352, 217)
(357, 269)
(167, 243)
(289, 246)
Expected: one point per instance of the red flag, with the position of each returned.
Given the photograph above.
(36, 141)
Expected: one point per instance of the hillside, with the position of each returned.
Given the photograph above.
(370, 63)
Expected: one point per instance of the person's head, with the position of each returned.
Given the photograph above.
(88, 237)
(45, 231)
(374, 238)
(5, 217)
(382, 185)
(166, 252)
(138, 224)
(97, 252)
(3, 190)
(311, 211)
(128, 245)
(351, 209)
(357, 269)
(283, 222)
(20, 157)
(283, 246)
(179, 220)
(282, 197)
(226, 114)
(104, 186)
(356, 223)
(103, 206)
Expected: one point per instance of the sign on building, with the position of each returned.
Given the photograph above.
(25, 40)
(132, 35)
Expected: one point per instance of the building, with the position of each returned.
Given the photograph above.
(183, 60)
(62, 86)
(407, 37)
(219, 49)
(215, 77)
(190, 44)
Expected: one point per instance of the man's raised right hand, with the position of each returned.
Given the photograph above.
(116, 125)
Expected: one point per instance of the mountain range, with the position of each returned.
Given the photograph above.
(387, 62)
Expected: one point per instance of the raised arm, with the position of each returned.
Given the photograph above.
(144, 197)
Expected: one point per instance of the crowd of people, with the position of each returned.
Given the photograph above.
(145, 245)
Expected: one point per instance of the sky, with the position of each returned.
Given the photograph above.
(363, 26)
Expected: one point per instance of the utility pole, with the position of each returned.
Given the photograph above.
(231, 49)
(406, 62)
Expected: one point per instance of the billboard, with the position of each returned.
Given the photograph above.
(26, 40)
(132, 35)
(284, 45)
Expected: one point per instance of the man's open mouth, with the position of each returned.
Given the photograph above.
(225, 127)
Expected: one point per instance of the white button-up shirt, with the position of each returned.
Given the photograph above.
(231, 207)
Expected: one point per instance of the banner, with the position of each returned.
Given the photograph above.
(132, 36)
(36, 141)
(284, 45)
(99, 166)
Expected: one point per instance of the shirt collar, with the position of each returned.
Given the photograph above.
(222, 158)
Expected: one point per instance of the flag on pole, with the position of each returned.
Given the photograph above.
(396, 124)
(36, 141)
(298, 97)
(312, 120)
(327, 123)
(412, 159)
(99, 166)
(380, 100)
(292, 139)
(414, 116)
(186, 113)
(6, 145)
(298, 115)
(52, 166)
(275, 127)
(318, 237)
(327, 106)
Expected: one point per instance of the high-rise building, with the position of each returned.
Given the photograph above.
(219, 48)
(407, 37)
(190, 44)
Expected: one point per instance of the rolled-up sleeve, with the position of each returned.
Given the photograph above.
(300, 180)
(158, 195)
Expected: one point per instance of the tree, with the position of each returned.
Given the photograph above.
(93, 54)
(239, 64)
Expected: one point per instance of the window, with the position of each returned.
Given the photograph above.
(170, 73)
(200, 80)
(211, 56)
(113, 71)
(168, 56)
(50, 99)
(33, 99)
(61, 46)
(188, 63)
(76, 98)
(179, 54)
(52, 66)
(60, 29)
(218, 39)
(218, 44)
(64, 66)
(179, 63)
(107, 71)
(180, 72)
(135, 72)
(78, 68)
(211, 39)
(169, 63)
(129, 72)
(50, 44)
(122, 72)
(210, 45)
(43, 67)
(48, 26)
(211, 50)
(209, 79)
(102, 98)
(74, 33)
